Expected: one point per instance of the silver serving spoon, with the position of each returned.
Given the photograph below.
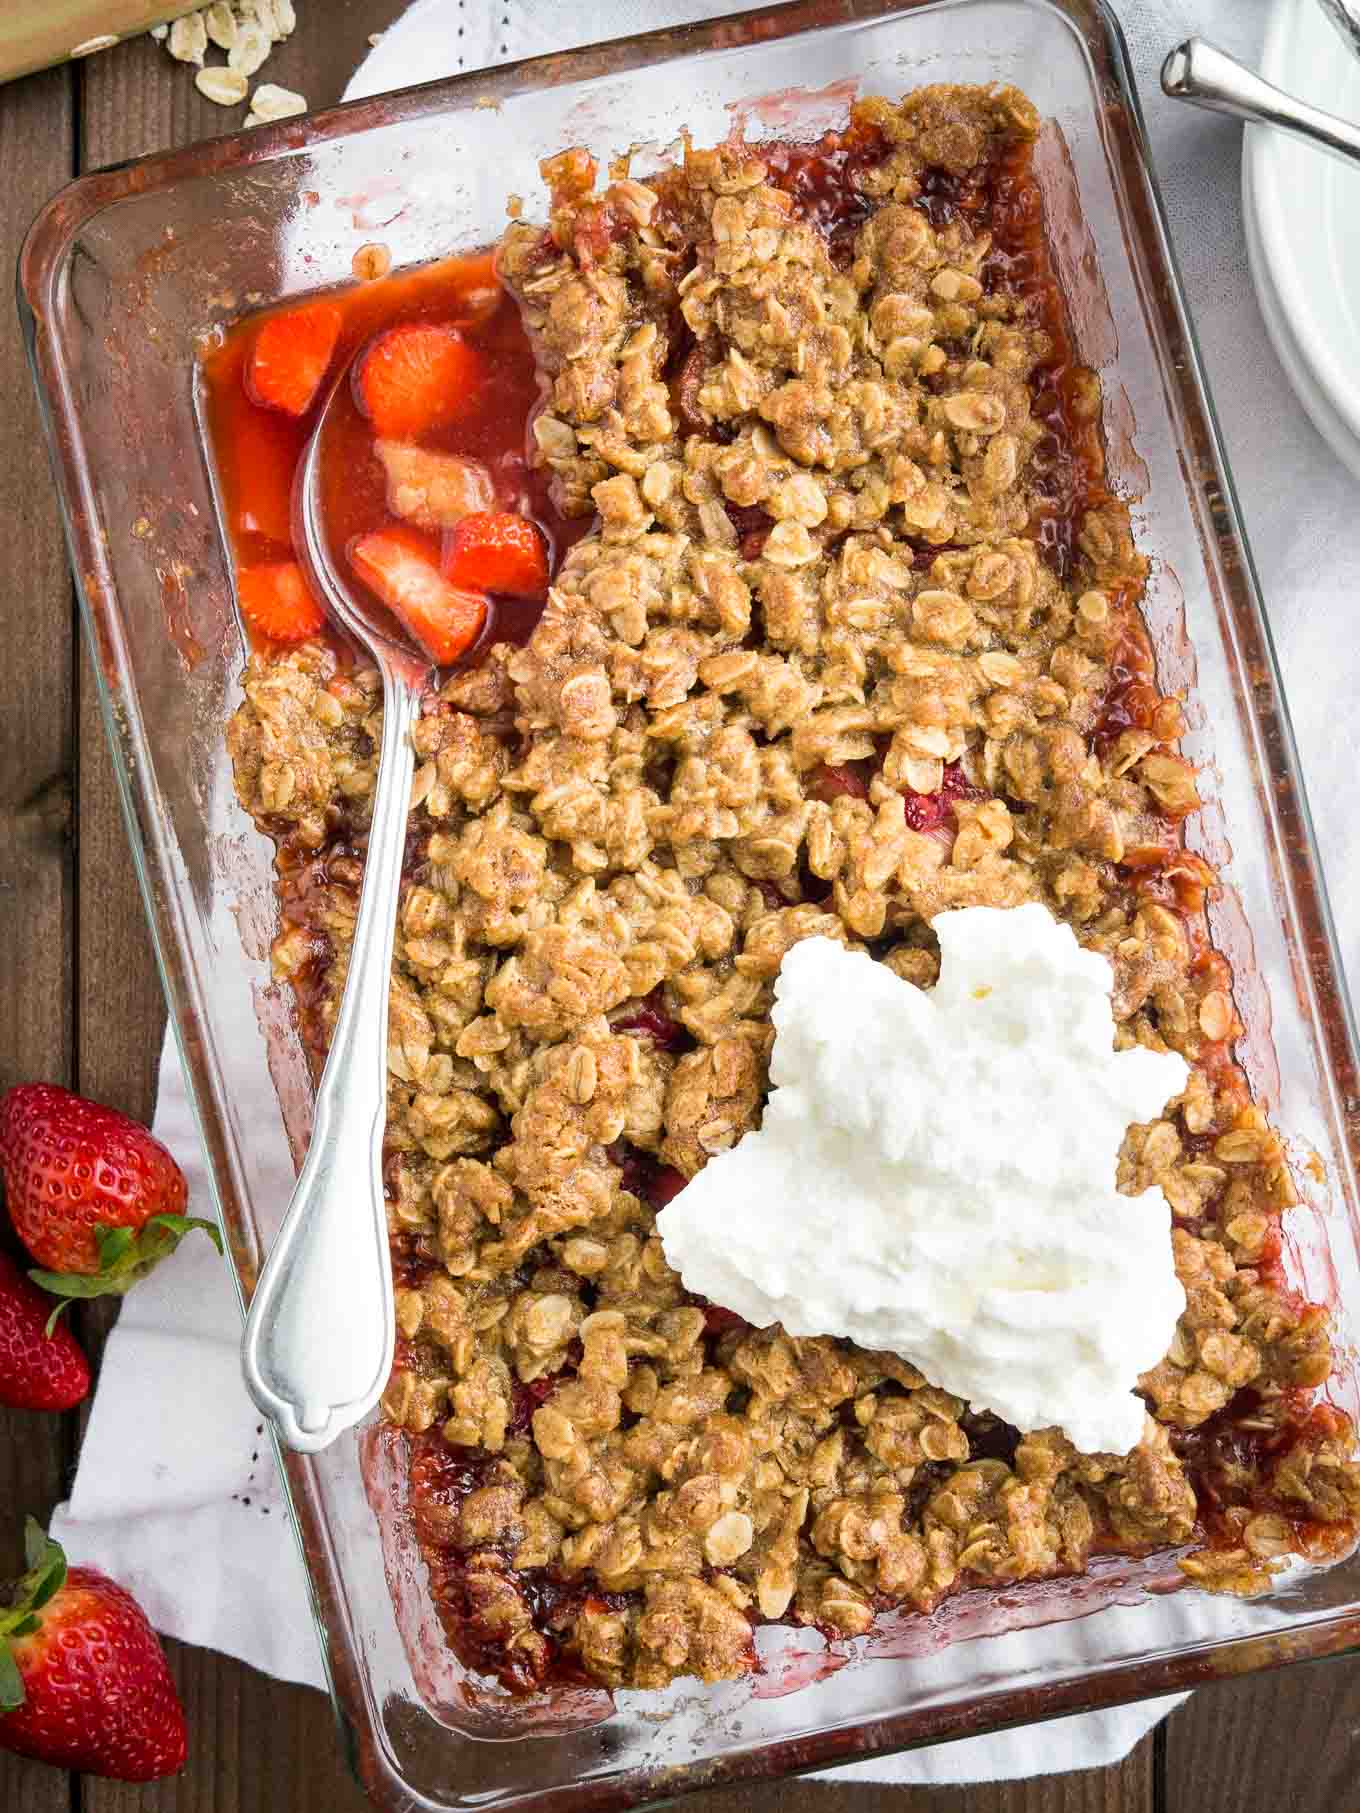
(1345, 16)
(321, 1331)
(1200, 72)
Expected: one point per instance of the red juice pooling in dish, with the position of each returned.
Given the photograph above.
(823, 180)
(257, 447)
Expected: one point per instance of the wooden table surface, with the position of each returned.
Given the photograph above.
(80, 1004)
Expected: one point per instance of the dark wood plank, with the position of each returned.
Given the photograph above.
(1125, 1789)
(1289, 1741)
(37, 893)
(36, 889)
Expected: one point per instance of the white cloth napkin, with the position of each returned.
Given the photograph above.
(177, 1493)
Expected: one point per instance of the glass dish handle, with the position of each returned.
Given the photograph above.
(321, 1332)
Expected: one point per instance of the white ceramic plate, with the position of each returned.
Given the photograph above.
(1302, 218)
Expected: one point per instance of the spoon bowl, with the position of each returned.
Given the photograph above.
(354, 608)
(321, 1331)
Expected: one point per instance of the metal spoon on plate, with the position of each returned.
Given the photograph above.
(321, 1331)
(1200, 72)
(1345, 16)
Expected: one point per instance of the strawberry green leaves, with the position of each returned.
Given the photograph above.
(46, 1575)
(125, 1257)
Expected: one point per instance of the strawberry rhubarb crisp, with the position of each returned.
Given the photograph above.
(843, 630)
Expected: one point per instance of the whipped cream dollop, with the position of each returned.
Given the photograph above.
(935, 1176)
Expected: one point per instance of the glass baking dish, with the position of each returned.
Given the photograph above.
(124, 279)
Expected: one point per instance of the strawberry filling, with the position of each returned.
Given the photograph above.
(844, 780)
(653, 1022)
(933, 811)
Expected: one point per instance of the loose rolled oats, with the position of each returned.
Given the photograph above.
(274, 17)
(224, 86)
(835, 655)
(249, 50)
(188, 40)
(247, 30)
(221, 24)
(270, 102)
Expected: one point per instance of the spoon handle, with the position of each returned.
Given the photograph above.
(1345, 16)
(1200, 72)
(320, 1335)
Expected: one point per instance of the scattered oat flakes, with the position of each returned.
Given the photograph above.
(221, 24)
(105, 41)
(251, 49)
(227, 87)
(189, 39)
(275, 17)
(371, 261)
(246, 29)
(270, 102)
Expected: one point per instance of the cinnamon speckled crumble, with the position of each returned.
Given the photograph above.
(854, 638)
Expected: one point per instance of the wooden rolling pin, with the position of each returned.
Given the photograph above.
(35, 33)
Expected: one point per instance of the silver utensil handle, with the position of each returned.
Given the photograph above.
(1345, 16)
(321, 1331)
(1200, 72)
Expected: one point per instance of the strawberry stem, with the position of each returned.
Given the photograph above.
(125, 1258)
(18, 1618)
(11, 1681)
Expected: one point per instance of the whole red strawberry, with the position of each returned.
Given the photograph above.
(93, 1196)
(38, 1370)
(83, 1680)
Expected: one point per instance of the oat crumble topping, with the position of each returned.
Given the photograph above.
(854, 638)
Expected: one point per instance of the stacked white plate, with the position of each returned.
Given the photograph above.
(1302, 216)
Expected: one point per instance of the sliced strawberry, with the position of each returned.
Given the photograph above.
(291, 356)
(498, 551)
(277, 601)
(415, 376)
(402, 569)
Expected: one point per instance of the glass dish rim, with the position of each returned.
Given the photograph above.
(1308, 916)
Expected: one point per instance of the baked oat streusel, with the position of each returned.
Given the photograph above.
(854, 638)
